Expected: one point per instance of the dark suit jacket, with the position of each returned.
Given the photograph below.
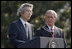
(17, 33)
(43, 31)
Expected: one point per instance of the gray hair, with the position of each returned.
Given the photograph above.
(52, 11)
(22, 8)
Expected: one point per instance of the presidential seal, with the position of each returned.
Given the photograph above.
(52, 43)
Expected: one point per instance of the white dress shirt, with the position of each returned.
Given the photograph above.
(26, 28)
(23, 22)
(49, 28)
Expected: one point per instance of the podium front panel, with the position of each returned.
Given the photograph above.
(34, 43)
(43, 42)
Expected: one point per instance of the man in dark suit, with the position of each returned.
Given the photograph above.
(21, 31)
(49, 29)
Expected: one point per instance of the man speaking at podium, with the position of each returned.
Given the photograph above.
(20, 31)
(49, 29)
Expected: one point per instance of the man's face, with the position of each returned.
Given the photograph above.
(50, 18)
(27, 13)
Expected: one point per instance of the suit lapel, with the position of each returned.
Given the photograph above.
(21, 27)
(46, 31)
(56, 32)
(45, 28)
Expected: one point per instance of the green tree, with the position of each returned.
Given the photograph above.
(9, 10)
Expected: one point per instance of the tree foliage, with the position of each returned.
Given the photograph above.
(9, 10)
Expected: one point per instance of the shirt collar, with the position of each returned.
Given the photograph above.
(23, 22)
(50, 28)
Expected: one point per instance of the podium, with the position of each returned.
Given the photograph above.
(43, 42)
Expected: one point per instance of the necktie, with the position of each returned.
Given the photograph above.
(27, 30)
(52, 33)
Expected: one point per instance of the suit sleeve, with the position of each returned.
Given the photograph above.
(32, 28)
(13, 30)
(63, 36)
(38, 33)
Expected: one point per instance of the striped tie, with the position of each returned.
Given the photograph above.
(52, 33)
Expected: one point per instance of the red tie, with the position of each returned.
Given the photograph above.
(53, 33)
